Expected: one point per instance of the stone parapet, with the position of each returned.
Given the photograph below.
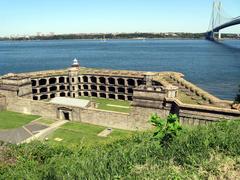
(18, 85)
(190, 114)
(200, 92)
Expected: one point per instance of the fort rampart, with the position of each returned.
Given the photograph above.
(149, 93)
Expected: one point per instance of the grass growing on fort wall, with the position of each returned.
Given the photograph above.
(204, 152)
(110, 104)
(75, 133)
(9, 120)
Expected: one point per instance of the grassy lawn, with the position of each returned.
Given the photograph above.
(110, 104)
(9, 120)
(46, 121)
(74, 133)
(184, 98)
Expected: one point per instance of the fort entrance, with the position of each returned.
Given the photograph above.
(65, 113)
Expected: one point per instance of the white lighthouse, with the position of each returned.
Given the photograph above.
(75, 63)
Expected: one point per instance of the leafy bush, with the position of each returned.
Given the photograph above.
(166, 130)
(237, 99)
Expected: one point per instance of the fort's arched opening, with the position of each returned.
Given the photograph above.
(42, 82)
(121, 81)
(52, 80)
(111, 81)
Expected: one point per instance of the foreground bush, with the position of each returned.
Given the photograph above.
(166, 130)
(202, 152)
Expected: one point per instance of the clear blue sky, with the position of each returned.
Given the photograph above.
(86, 16)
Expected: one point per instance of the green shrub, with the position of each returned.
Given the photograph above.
(166, 130)
(237, 98)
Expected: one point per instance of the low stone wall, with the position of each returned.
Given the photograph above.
(137, 119)
(28, 106)
(141, 116)
(108, 119)
(2, 102)
(86, 115)
(200, 92)
(198, 114)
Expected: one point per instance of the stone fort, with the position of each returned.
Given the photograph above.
(149, 92)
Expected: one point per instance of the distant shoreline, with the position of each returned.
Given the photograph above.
(120, 39)
(121, 36)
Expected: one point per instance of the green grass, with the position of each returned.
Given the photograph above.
(75, 133)
(103, 104)
(184, 98)
(9, 120)
(204, 152)
(46, 121)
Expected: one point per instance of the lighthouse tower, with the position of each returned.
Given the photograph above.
(73, 72)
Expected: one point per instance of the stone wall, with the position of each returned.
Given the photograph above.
(136, 119)
(2, 102)
(199, 114)
(151, 97)
(86, 115)
(75, 85)
(141, 116)
(28, 106)
(108, 119)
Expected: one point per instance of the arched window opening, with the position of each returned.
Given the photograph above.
(61, 80)
(94, 94)
(102, 88)
(111, 81)
(43, 90)
(121, 97)
(35, 98)
(34, 91)
(85, 79)
(62, 94)
(93, 87)
(85, 87)
(130, 90)
(111, 89)
(131, 82)
(130, 98)
(43, 97)
(34, 82)
(121, 90)
(103, 95)
(62, 87)
(93, 79)
(112, 96)
(121, 81)
(102, 80)
(52, 80)
(42, 82)
(53, 88)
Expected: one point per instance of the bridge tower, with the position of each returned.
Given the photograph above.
(215, 21)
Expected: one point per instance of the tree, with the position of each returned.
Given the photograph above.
(167, 129)
(237, 99)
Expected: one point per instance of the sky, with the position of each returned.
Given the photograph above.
(27, 17)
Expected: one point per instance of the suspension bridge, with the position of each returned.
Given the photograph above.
(219, 20)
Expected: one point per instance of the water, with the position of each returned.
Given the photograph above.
(214, 67)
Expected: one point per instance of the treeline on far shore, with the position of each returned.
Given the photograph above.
(120, 36)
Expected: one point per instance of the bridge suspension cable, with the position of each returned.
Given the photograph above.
(219, 20)
(219, 15)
